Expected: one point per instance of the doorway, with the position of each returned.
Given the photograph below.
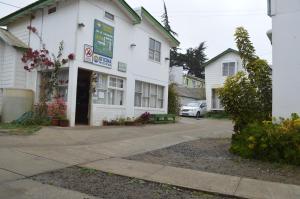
(83, 97)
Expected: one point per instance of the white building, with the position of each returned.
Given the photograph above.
(131, 61)
(217, 70)
(286, 60)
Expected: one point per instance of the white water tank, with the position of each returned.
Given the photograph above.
(15, 102)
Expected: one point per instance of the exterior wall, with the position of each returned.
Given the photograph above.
(188, 82)
(214, 77)
(176, 75)
(286, 59)
(7, 78)
(139, 67)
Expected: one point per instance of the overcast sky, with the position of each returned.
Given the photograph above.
(212, 21)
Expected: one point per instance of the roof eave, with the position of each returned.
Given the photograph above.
(25, 11)
(43, 3)
(229, 50)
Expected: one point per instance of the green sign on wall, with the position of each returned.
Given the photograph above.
(103, 39)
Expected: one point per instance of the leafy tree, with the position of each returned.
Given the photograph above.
(195, 58)
(247, 97)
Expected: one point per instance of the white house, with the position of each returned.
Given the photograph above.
(217, 70)
(286, 60)
(128, 49)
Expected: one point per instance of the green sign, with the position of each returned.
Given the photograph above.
(103, 39)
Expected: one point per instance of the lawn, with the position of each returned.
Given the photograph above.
(18, 129)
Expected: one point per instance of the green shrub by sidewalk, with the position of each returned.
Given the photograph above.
(217, 115)
(268, 141)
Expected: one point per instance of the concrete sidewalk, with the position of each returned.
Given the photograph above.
(56, 148)
(198, 180)
(29, 189)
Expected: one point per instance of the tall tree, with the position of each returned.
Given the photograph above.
(247, 97)
(195, 58)
(166, 22)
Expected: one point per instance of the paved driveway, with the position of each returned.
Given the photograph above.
(54, 148)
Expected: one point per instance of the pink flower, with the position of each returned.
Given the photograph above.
(71, 56)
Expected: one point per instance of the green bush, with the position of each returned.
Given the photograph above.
(173, 100)
(277, 141)
(217, 115)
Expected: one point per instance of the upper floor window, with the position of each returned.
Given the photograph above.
(228, 68)
(154, 50)
(109, 16)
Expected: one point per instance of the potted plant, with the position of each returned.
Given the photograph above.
(56, 111)
(64, 122)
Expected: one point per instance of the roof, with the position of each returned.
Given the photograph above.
(193, 77)
(132, 14)
(11, 40)
(229, 50)
(194, 93)
(44, 3)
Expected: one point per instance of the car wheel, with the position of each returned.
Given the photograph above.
(198, 115)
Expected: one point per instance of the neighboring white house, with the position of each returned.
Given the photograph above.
(217, 70)
(128, 49)
(286, 56)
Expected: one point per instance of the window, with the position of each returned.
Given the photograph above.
(148, 95)
(109, 16)
(154, 50)
(51, 10)
(194, 83)
(228, 68)
(62, 85)
(109, 90)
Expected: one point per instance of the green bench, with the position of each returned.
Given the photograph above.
(162, 118)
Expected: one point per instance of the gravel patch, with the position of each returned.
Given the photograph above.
(110, 186)
(212, 155)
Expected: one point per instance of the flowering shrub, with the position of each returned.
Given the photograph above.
(144, 118)
(49, 66)
(57, 108)
(277, 141)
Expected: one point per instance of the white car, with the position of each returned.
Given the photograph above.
(194, 109)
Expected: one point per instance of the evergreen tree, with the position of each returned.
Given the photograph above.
(166, 22)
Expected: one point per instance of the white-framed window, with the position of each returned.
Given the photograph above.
(109, 90)
(62, 85)
(154, 50)
(109, 16)
(148, 95)
(228, 68)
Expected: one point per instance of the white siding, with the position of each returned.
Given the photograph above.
(19, 29)
(286, 59)
(214, 77)
(7, 66)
